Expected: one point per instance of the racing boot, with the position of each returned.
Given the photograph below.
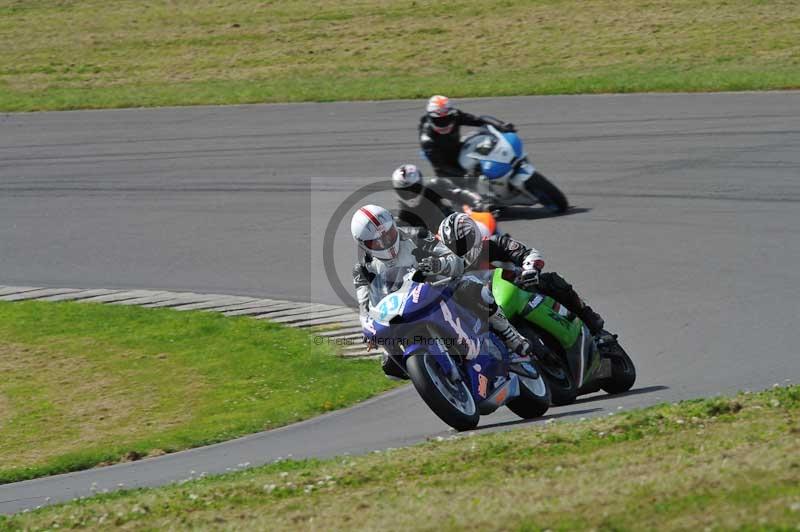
(516, 343)
(606, 341)
(592, 319)
(558, 288)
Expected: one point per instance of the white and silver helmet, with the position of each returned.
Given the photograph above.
(462, 236)
(407, 182)
(374, 230)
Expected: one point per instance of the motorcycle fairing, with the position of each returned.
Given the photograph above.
(547, 314)
(395, 304)
(539, 309)
(442, 318)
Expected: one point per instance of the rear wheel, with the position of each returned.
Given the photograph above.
(623, 372)
(547, 193)
(534, 398)
(451, 401)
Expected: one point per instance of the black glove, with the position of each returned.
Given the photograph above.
(528, 278)
(431, 265)
(508, 127)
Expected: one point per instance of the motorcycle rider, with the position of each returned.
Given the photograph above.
(439, 134)
(382, 246)
(424, 202)
(463, 237)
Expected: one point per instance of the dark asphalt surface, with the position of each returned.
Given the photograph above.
(685, 236)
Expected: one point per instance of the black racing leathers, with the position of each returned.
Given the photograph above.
(442, 149)
(438, 198)
(500, 249)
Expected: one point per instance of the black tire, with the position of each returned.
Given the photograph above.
(559, 380)
(547, 193)
(420, 373)
(623, 372)
(530, 404)
(551, 365)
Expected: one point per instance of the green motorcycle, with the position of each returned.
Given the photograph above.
(569, 358)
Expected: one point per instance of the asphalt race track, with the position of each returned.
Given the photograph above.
(685, 235)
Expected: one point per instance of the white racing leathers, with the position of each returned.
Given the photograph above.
(413, 248)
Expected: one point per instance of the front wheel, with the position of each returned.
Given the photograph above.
(559, 379)
(534, 398)
(451, 401)
(547, 193)
(623, 372)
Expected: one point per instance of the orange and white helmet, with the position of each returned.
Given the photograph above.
(441, 114)
(374, 230)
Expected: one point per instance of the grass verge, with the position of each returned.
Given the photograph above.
(724, 463)
(86, 384)
(97, 54)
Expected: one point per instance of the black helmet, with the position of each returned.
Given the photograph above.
(462, 236)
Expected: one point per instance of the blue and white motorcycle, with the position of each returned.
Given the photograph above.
(457, 365)
(506, 178)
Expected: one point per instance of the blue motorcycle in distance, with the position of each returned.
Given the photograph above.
(496, 166)
(457, 365)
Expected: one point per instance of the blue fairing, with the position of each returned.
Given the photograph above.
(431, 321)
(422, 300)
(494, 169)
(515, 142)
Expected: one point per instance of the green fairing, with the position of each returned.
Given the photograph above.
(514, 301)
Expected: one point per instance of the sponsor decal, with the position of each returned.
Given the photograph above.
(477, 367)
(513, 245)
(471, 345)
(483, 384)
(501, 395)
(559, 318)
(415, 293)
(388, 305)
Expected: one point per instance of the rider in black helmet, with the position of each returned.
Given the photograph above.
(462, 236)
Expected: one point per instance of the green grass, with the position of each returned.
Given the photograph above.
(721, 464)
(86, 384)
(95, 54)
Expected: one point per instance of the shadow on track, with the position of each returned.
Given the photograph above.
(635, 391)
(538, 419)
(535, 213)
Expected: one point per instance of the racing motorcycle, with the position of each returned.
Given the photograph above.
(505, 176)
(457, 365)
(567, 355)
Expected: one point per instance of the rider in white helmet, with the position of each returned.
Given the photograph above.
(425, 201)
(440, 134)
(383, 245)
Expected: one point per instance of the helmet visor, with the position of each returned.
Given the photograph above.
(385, 241)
